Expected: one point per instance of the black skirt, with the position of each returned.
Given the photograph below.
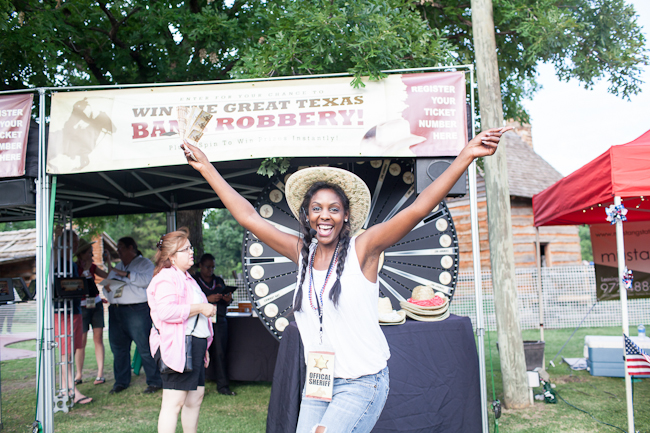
(191, 380)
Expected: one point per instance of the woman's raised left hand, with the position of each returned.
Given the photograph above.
(486, 143)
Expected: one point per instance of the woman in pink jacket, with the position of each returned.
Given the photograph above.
(179, 309)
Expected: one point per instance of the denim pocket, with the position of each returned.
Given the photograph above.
(369, 381)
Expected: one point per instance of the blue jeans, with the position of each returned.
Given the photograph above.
(126, 324)
(355, 407)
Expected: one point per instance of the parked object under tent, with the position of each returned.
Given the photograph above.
(620, 176)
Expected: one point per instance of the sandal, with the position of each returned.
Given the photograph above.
(84, 400)
(78, 381)
(99, 380)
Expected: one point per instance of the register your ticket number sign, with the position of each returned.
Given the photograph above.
(636, 237)
(15, 112)
(401, 115)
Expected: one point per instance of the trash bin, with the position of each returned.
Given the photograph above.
(534, 353)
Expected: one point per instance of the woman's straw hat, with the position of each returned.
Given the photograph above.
(388, 316)
(84, 245)
(354, 187)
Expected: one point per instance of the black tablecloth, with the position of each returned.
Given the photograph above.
(252, 350)
(434, 379)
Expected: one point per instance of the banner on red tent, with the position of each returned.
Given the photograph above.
(400, 116)
(637, 258)
(15, 113)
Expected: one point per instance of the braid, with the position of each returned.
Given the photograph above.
(344, 243)
(304, 252)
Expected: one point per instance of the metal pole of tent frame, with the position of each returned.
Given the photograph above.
(620, 254)
(45, 367)
(478, 283)
(539, 285)
(40, 284)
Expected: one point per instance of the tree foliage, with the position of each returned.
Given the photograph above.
(17, 225)
(585, 243)
(146, 229)
(57, 42)
(222, 237)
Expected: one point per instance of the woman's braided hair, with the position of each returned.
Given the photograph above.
(344, 241)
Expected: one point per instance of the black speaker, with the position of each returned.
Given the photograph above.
(26, 293)
(429, 169)
(6, 290)
(17, 192)
(75, 287)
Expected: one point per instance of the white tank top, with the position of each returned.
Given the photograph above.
(352, 328)
(202, 323)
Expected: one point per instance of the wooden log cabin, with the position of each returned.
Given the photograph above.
(18, 253)
(528, 174)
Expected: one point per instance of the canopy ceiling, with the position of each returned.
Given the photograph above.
(157, 189)
(581, 197)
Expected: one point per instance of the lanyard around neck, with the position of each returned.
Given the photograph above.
(311, 285)
(204, 284)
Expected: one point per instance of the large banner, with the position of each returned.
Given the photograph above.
(637, 258)
(402, 115)
(15, 113)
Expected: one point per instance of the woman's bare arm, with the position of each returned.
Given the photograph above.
(286, 244)
(377, 238)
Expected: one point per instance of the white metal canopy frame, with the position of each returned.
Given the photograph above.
(126, 201)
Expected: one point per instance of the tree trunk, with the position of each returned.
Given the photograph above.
(193, 220)
(511, 346)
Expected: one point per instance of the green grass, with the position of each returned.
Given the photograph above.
(131, 411)
(603, 397)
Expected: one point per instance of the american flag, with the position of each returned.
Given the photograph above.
(638, 362)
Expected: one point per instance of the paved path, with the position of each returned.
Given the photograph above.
(7, 353)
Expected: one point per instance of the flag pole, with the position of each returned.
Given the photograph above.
(620, 254)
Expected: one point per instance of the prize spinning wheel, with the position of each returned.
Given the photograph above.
(428, 255)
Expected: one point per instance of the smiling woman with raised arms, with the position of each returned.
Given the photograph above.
(335, 302)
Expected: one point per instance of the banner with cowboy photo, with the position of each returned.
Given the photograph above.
(636, 237)
(15, 114)
(401, 115)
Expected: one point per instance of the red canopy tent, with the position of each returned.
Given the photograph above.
(619, 176)
(581, 197)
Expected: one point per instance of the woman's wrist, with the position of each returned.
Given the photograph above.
(466, 155)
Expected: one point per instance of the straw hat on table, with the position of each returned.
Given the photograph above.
(425, 305)
(388, 316)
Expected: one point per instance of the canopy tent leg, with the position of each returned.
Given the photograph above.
(620, 254)
(478, 278)
(44, 272)
(478, 293)
(539, 285)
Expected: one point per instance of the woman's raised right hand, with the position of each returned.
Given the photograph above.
(201, 160)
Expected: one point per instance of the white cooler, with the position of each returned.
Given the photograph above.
(605, 354)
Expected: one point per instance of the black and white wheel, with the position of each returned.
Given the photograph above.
(428, 255)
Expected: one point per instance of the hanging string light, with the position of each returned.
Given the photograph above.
(638, 199)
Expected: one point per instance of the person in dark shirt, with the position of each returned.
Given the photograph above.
(220, 295)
